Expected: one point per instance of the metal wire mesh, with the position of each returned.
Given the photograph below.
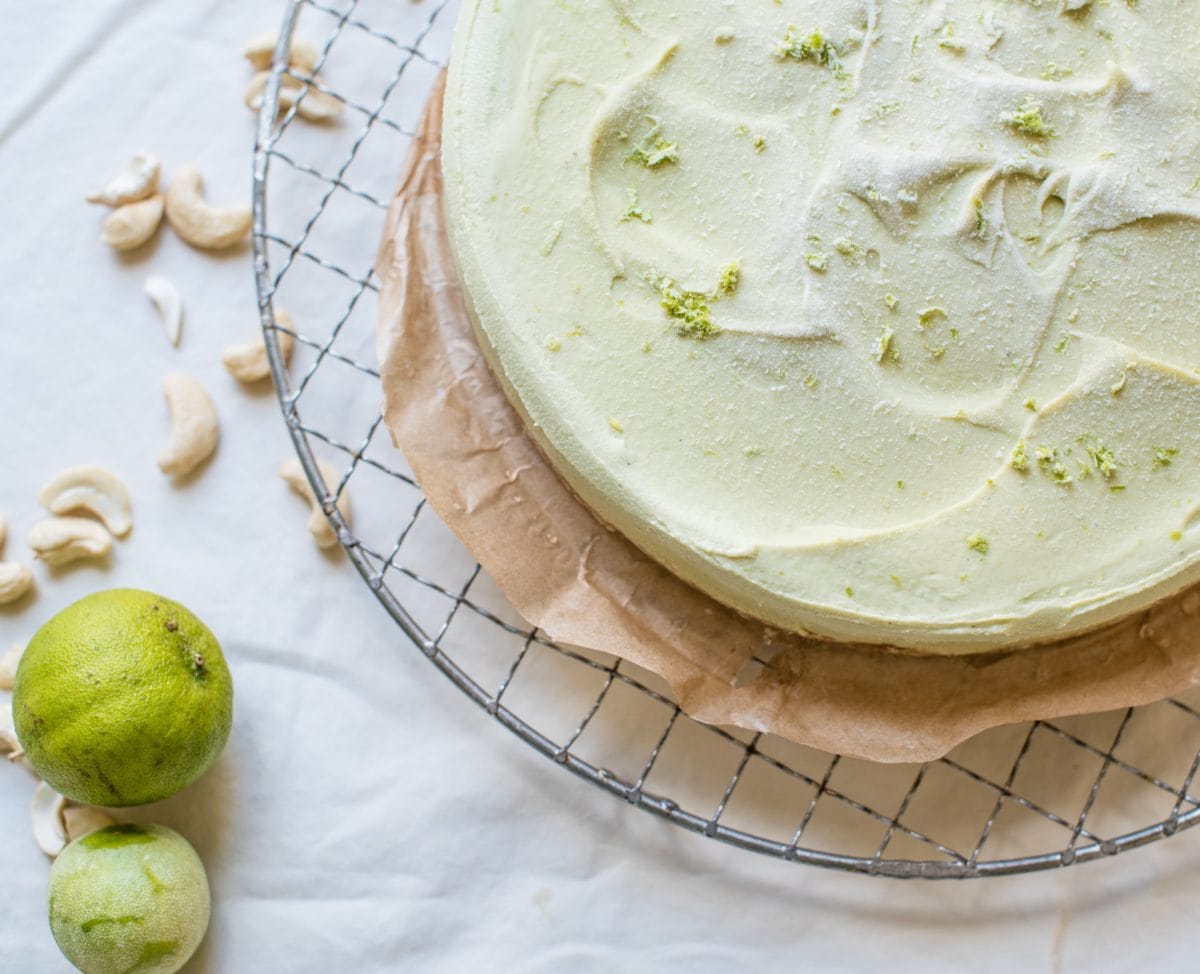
(1016, 799)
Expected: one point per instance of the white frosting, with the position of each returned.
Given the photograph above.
(965, 230)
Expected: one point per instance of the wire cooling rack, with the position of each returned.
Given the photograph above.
(1016, 799)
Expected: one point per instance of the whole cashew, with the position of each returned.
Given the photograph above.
(200, 223)
(94, 490)
(62, 540)
(194, 427)
(249, 363)
(15, 581)
(46, 811)
(254, 90)
(316, 106)
(79, 820)
(8, 665)
(57, 821)
(10, 745)
(260, 51)
(318, 525)
(138, 180)
(130, 226)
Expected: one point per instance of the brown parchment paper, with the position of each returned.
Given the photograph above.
(584, 584)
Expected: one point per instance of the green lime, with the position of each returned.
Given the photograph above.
(129, 898)
(122, 699)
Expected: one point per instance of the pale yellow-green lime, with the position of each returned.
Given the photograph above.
(129, 898)
(123, 698)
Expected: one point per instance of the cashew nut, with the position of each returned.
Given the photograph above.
(249, 363)
(94, 490)
(80, 820)
(15, 581)
(253, 97)
(200, 223)
(49, 829)
(136, 181)
(166, 299)
(10, 745)
(316, 106)
(194, 429)
(57, 821)
(8, 665)
(318, 525)
(260, 52)
(260, 49)
(60, 541)
(130, 226)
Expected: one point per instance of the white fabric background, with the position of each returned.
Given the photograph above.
(365, 817)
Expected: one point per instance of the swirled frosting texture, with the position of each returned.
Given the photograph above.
(876, 319)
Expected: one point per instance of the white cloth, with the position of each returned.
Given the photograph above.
(365, 816)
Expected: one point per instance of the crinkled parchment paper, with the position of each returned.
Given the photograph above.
(584, 584)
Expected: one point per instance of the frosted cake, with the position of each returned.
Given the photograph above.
(878, 321)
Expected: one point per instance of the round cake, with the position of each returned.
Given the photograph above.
(877, 320)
